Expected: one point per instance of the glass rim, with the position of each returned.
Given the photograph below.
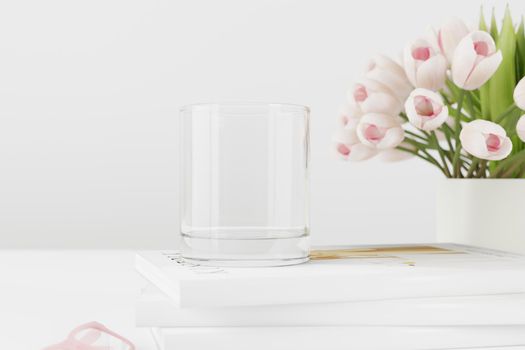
(241, 104)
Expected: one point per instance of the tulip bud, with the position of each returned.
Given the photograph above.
(425, 109)
(520, 128)
(449, 36)
(425, 67)
(475, 60)
(519, 94)
(379, 131)
(371, 96)
(485, 140)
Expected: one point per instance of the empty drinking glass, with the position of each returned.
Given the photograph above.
(244, 184)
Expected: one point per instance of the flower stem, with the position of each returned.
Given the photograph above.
(504, 166)
(456, 163)
(429, 158)
(508, 111)
(470, 106)
(512, 170)
(482, 169)
(522, 173)
(473, 167)
(441, 154)
(422, 138)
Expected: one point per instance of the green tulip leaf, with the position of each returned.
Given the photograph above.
(503, 81)
(484, 91)
(494, 26)
(520, 51)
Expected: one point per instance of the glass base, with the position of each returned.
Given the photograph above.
(235, 252)
(246, 263)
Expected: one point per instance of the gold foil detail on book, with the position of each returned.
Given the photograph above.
(378, 252)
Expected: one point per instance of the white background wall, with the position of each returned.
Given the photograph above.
(89, 97)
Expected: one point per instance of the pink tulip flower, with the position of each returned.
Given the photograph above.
(520, 128)
(485, 140)
(348, 147)
(519, 94)
(380, 131)
(425, 66)
(425, 109)
(391, 74)
(475, 60)
(370, 96)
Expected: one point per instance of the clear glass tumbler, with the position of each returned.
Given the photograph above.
(244, 184)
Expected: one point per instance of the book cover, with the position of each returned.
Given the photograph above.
(154, 309)
(339, 275)
(339, 338)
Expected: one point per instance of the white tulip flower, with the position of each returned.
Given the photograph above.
(391, 74)
(475, 60)
(347, 146)
(520, 128)
(348, 116)
(519, 94)
(485, 140)
(449, 36)
(370, 96)
(425, 109)
(380, 131)
(425, 66)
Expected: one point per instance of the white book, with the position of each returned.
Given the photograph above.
(340, 275)
(338, 338)
(154, 309)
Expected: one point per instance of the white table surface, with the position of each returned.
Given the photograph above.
(44, 294)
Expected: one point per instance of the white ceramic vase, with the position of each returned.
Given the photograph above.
(487, 213)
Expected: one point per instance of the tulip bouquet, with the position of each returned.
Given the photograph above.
(456, 101)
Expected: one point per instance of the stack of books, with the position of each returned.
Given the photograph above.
(388, 297)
